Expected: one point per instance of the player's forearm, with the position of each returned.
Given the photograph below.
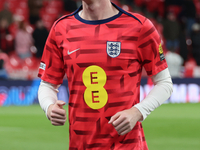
(158, 95)
(47, 95)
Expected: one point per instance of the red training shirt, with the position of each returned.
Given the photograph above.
(103, 61)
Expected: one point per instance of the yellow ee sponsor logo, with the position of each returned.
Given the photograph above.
(95, 95)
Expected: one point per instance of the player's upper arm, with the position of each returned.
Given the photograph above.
(150, 49)
(52, 63)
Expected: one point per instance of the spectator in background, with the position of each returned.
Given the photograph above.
(195, 37)
(173, 2)
(188, 14)
(78, 3)
(5, 37)
(175, 62)
(128, 2)
(14, 26)
(23, 41)
(183, 48)
(171, 31)
(70, 5)
(40, 35)
(6, 14)
(3, 73)
(34, 10)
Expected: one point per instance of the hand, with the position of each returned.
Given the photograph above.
(57, 114)
(125, 120)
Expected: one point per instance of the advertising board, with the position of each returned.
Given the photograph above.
(20, 92)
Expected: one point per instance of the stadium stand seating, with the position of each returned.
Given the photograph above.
(28, 68)
(190, 66)
(21, 69)
(53, 9)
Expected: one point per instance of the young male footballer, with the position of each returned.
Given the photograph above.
(102, 50)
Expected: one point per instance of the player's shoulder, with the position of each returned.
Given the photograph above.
(131, 15)
(140, 17)
(63, 19)
(146, 23)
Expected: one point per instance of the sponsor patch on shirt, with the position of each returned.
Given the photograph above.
(162, 57)
(113, 49)
(42, 66)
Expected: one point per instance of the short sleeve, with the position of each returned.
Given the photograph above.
(150, 49)
(52, 65)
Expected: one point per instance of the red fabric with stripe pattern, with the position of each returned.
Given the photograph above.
(73, 47)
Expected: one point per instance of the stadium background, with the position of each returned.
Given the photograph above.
(174, 125)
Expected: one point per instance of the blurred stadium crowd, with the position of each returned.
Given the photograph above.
(24, 27)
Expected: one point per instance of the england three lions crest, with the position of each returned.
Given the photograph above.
(113, 49)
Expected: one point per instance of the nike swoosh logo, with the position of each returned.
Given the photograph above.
(69, 53)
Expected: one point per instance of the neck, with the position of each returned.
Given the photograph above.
(97, 9)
